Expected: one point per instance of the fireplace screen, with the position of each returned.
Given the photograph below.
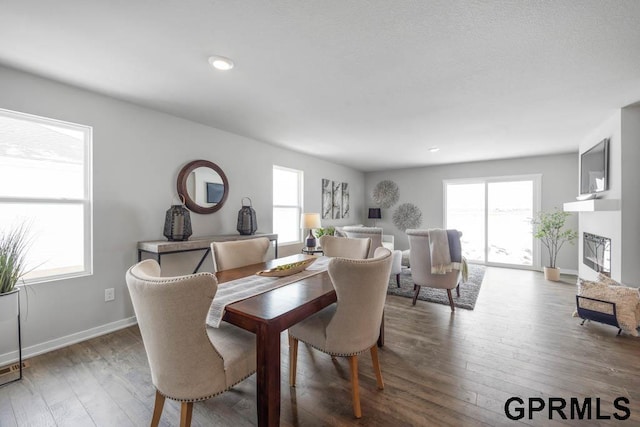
(596, 253)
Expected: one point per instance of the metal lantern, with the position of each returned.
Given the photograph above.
(247, 222)
(177, 222)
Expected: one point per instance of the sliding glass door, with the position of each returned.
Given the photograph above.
(494, 216)
(465, 212)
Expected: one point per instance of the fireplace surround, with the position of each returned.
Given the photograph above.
(596, 253)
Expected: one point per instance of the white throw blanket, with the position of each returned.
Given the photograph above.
(440, 252)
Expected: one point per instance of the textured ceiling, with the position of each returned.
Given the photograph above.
(369, 84)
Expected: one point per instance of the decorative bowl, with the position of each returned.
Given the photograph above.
(287, 269)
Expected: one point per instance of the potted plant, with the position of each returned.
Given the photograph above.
(329, 231)
(549, 228)
(13, 250)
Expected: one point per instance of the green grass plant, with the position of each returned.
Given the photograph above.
(13, 250)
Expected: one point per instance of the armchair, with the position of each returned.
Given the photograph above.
(420, 258)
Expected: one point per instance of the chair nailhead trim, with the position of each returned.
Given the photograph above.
(200, 399)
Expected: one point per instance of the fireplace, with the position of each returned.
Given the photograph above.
(596, 253)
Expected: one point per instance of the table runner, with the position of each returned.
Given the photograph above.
(246, 287)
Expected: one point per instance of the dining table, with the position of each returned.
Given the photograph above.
(267, 315)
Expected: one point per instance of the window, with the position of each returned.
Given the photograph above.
(494, 215)
(45, 183)
(287, 204)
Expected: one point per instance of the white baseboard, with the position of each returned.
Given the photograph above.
(65, 341)
(562, 270)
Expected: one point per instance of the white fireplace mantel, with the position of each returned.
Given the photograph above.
(593, 205)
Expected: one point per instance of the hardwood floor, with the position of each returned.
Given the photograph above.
(439, 368)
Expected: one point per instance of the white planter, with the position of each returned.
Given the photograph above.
(552, 274)
(9, 305)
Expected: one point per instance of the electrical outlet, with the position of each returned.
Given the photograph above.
(109, 294)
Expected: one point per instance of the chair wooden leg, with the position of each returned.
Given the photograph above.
(381, 335)
(355, 388)
(458, 290)
(376, 367)
(157, 409)
(453, 307)
(293, 360)
(398, 279)
(415, 295)
(185, 414)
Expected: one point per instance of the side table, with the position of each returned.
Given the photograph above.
(312, 251)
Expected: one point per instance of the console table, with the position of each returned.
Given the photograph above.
(165, 247)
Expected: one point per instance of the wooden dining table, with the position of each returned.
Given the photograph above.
(270, 313)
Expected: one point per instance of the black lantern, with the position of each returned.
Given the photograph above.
(177, 222)
(247, 222)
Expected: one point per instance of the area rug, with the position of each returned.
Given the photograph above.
(469, 290)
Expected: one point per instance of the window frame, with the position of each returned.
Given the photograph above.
(86, 201)
(298, 206)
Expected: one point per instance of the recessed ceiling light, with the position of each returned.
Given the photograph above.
(434, 149)
(221, 63)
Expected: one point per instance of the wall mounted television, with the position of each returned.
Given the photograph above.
(594, 168)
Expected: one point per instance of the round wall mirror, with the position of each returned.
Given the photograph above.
(203, 185)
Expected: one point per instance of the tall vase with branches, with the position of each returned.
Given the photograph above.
(549, 228)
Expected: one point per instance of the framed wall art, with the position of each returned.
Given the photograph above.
(345, 200)
(337, 200)
(327, 199)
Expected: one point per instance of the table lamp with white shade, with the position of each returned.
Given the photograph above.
(310, 221)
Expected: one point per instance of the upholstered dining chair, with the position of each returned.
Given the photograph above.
(420, 261)
(238, 253)
(345, 247)
(375, 234)
(189, 361)
(352, 324)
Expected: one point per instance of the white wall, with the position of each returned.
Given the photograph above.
(137, 154)
(630, 203)
(608, 223)
(424, 188)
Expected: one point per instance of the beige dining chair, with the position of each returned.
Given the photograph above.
(352, 324)
(420, 260)
(345, 247)
(375, 234)
(238, 253)
(189, 361)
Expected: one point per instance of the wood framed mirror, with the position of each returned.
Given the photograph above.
(203, 185)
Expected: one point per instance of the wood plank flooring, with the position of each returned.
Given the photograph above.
(439, 369)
